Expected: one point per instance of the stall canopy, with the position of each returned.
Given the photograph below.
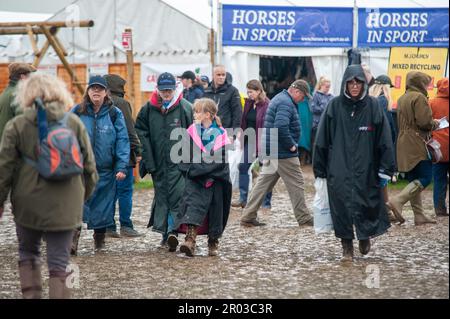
(244, 61)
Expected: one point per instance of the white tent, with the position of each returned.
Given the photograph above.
(161, 34)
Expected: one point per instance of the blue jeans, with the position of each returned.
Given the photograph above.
(124, 194)
(423, 172)
(440, 179)
(244, 178)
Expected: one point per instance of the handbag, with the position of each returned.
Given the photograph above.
(433, 148)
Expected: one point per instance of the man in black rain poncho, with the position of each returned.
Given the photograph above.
(354, 151)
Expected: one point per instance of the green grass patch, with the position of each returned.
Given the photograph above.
(143, 184)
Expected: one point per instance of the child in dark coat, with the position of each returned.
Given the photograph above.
(207, 193)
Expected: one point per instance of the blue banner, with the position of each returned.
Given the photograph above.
(287, 26)
(411, 27)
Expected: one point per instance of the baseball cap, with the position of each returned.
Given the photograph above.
(383, 79)
(204, 78)
(303, 86)
(97, 80)
(166, 81)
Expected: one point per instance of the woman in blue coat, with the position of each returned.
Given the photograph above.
(109, 138)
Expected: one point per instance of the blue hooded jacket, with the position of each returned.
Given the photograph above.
(109, 140)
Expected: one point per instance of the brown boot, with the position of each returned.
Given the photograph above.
(347, 250)
(441, 212)
(396, 203)
(30, 279)
(213, 247)
(57, 287)
(188, 247)
(75, 240)
(419, 217)
(99, 240)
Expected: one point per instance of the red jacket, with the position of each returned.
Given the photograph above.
(439, 107)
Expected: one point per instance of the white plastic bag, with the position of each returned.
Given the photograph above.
(234, 158)
(321, 208)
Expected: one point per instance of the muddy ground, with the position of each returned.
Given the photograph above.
(279, 260)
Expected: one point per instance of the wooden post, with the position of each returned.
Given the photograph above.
(127, 43)
(60, 24)
(40, 55)
(32, 40)
(128, 46)
(61, 56)
(212, 48)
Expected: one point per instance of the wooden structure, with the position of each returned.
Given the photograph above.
(49, 30)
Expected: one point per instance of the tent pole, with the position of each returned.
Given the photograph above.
(219, 32)
(355, 25)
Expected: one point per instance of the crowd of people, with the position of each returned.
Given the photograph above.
(356, 146)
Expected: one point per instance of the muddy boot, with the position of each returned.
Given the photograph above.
(347, 250)
(238, 204)
(30, 279)
(396, 203)
(172, 241)
(75, 240)
(419, 217)
(213, 247)
(99, 240)
(364, 246)
(188, 247)
(57, 287)
(441, 212)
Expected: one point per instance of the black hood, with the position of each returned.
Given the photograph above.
(354, 71)
(116, 84)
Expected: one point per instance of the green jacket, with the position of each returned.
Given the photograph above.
(7, 106)
(415, 122)
(154, 129)
(37, 203)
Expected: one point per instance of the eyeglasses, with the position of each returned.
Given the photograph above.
(355, 83)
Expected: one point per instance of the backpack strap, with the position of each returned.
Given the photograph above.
(113, 114)
(41, 119)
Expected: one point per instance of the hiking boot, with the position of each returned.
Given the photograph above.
(213, 247)
(129, 232)
(30, 279)
(238, 204)
(364, 246)
(99, 241)
(75, 240)
(112, 233)
(188, 247)
(441, 212)
(347, 250)
(309, 223)
(252, 223)
(172, 241)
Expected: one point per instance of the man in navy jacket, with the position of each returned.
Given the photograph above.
(281, 117)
